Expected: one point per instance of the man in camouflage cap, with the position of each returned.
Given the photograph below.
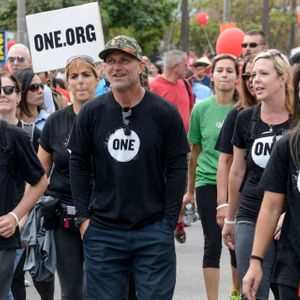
(138, 147)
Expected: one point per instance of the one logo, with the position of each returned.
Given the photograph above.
(298, 181)
(219, 124)
(123, 147)
(261, 150)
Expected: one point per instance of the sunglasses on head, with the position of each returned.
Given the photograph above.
(274, 52)
(246, 76)
(7, 90)
(12, 59)
(34, 87)
(86, 58)
(251, 45)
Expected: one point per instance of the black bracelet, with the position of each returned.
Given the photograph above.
(257, 258)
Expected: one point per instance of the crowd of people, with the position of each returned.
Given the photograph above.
(100, 160)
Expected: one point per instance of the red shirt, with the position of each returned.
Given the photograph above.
(176, 93)
(63, 92)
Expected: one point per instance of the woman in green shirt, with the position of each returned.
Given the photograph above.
(206, 122)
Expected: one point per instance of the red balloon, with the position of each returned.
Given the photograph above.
(10, 43)
(202, 18)
(230, 42)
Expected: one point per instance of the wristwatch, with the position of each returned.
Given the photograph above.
(78, 221)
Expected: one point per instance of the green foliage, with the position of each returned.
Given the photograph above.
(146, 20)
(8, 15)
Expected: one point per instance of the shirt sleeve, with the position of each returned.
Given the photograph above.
(27, 161)
(275, 176)
(224, 140)
(240, 129)
(48, 100)
(44, 137)
(176, 167)
(194, 135)
(81, 145)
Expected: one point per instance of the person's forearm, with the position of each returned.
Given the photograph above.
(268, 217)
(80, 177)
(176, 178)
(224, 165)
(235, 181)
(192, 168)
(31, 195)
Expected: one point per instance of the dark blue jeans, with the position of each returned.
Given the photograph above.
(148, 252)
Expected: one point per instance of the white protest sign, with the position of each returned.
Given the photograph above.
(57, 35)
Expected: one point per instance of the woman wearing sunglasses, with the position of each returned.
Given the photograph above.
(82, 80)
(256, 131)
(31, 108)
(281, 183)
(206, 122)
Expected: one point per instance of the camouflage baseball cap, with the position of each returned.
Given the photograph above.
(122, 43)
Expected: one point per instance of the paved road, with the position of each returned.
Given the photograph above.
(190, 284)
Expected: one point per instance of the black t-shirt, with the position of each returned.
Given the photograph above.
(54, 140)
(19, 179)
(258, 155)
(224, 144)
(132, 174)
(25, 164)
(281, 176)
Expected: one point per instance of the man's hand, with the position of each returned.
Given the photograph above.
(228, 234)
(83, 227)
(252, 280)
(8, 225)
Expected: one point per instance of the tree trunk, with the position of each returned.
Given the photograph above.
(266, 20)
(184, 24)
(293, 28)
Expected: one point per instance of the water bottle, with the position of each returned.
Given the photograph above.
(188, 216)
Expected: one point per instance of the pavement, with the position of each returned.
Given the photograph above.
(190, 282)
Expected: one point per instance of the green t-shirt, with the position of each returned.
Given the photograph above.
(206, 122)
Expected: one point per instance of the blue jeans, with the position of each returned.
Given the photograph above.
(19, 254)
(243, 248)
(148, 252)
(7, 259)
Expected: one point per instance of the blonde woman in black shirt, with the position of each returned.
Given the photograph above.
(281, 182)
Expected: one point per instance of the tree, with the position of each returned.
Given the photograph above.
(146, 20)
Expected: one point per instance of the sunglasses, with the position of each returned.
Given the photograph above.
(246, 76)
(12, 59)
(7, 90)
(251, 45)
(86, 58)
(35, 87)
(126, 114)
(274, 52)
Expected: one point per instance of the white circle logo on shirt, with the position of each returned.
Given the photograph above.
(123, 147)
(261, 150)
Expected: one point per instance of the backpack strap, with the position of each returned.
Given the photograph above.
(191, 95)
